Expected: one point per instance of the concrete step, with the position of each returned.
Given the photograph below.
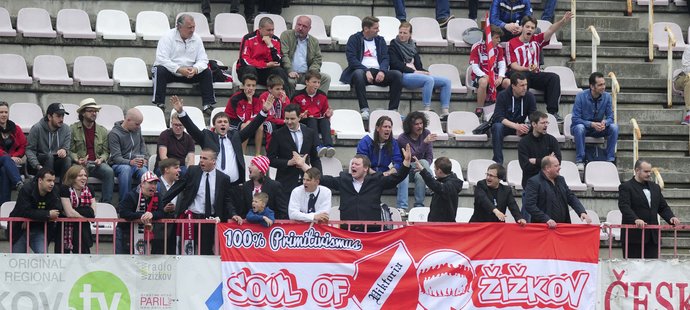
(656, 114)
(627, 84)
(644, 100)
(624, 23)
(664, 163)
(672, 147)
(670, 131)
(629, 69)
(638, 37)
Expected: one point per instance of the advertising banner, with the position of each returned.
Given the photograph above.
(470, 266)
(644, 284)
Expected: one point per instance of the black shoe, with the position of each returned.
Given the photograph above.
(160, 105)
(443, 22)
(558, 117)
(208, 109)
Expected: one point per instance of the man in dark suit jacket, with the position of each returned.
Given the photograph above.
(291, 141)
(360, 190)
(260, 182)
(493, 200)
(547, 196)
(640, 200)
(196, 199)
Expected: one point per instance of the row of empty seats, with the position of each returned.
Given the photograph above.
(228, 27)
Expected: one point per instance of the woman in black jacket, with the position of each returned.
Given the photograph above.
(491, 198)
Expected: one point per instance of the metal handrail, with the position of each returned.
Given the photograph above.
(628, 8)
(669, 67)
(595, 42)
(650, 30)
(615, 89)
(573, 45)
(637, 135)
(657, 177)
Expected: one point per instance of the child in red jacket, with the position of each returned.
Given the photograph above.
(242, 107)
(316, 113)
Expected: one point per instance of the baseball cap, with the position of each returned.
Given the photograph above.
(56, 107)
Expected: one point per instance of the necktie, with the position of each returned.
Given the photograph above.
(311, 205)
(296, 138)
(222, 153)
(207, 198)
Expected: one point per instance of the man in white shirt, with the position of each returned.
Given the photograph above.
(181, 57)
(311, 202)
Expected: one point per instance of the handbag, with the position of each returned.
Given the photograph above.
(484, 127)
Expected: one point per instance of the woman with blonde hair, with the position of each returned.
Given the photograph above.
(77, 202)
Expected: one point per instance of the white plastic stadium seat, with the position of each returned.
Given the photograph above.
(108, 115)
(278, 23)
(114, 25)
(567, 122)
(395, 117)
(74, 24)
(575, 219)
(661, 37)
(154, 122)
(388, 27)
(25, 114)
(343, 26)
(347, 124)
(222, 85)
(201, 23)
(35, 22)
(435, 125)
(5, 210)
(602, 176)
(6, 29)
(460, 125)
(51, 70)
(476, 170)
(334, 70)
(463, 215)
(195, 114)
(451, 72)
(318, 28)
(456, 27)
(568, 83)
(418, 214)
(681, 3)
(151, 25)
(91, 71)
(615, 217)
(426, 32)
(552, 128)
(334, 213)
(104, 211)
(13, 69)
(572, 176)
(131, 72)
(151, 160)
(72, 117)
(455, 168)
(514, 174)
(331, 166)
(230, 27)
(554, 44)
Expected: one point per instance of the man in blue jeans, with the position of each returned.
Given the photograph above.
(37, 201)
(513, 105)
(593, 117)
(442, 11)
(128, 152)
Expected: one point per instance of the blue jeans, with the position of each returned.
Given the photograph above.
(549, 8)
(498, 131)
(36, 241)
(580, 132)
(442, 9)
(106, 174)
(419, 187)
(427, 83)
(125, 173)
(9, 176)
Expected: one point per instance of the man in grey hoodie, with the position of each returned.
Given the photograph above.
(49, 142)
(128, 154)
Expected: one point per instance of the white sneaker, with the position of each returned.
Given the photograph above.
(686, 119)
(330, 152)
(580, 166)
(365, 115)
(322, 151)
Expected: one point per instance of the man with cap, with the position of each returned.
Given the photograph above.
(89, 147)
(49, 142)
(141, 206)
(260, 182)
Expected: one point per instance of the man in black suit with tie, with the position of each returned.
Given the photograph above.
(205, 193)
(640, 200)
(227, 143)
(290, 145)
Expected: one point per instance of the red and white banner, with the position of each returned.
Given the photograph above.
(645, 284)
(469, 266)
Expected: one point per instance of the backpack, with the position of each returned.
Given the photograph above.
(386, 216)
(220, 73)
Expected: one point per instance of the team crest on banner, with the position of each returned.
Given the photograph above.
(469, 266)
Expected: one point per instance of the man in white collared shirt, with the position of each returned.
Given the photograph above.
(181, 57)
(311, 202)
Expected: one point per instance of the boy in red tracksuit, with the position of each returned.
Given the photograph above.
(242, 107)
(276, 95)
(316, 113)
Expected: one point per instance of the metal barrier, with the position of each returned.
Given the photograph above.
(637, 135)
(650, 31)
(669, 67)
(573, 31)
(624, 230)
(595, 42)
(615, 89)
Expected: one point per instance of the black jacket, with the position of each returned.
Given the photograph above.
(484, 203)
(533, 147)
(364, 205)
(188, 186)
(633, 205)
(398, 61)
(28, 206)
(280, 152)
(276, 198)
(128, 210)
(444, 202)
(514, 109)
(540, 195)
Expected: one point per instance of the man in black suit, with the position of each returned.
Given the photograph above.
(640, 200)
(290, 143)
(360, 190)
(205, 193)
(225, 142)
(259, 182)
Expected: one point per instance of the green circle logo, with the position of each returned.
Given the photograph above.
(99, 290)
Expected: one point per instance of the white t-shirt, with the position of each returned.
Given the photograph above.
(369, 57)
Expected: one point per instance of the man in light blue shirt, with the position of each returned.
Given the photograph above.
(302, 53)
